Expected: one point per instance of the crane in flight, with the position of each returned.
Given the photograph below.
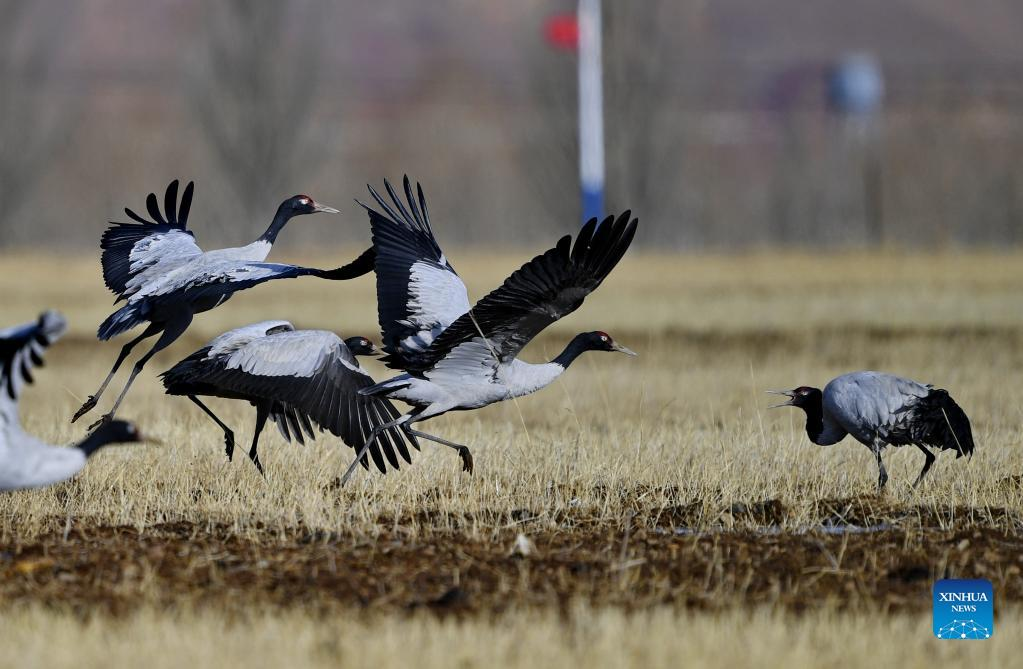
(156, 267)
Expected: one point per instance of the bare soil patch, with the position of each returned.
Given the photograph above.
(116, 570)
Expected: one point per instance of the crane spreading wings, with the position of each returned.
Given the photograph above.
(423, 305)
(545, 289)
(419, 294)
(21, 349)
(136, 253)
(308, 375)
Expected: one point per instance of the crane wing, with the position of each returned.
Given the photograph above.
(870, 401)
(220, 278)
(135, 253)
(543, 290)
(213, 282)
(21, 349)
(312, 377)
(419, 293)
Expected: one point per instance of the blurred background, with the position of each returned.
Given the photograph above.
(729, 124)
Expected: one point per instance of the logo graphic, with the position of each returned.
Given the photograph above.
(964, 609)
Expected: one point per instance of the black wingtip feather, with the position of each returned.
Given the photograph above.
(153, 207)
(135, 217)
(422, 207)
(170, 203)
(22, 351)
(397, 203)
(393, 217)
(412, 202)
(186, 205)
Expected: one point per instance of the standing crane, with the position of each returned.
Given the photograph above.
(26, 462)
(295, 378)
(165, 279)
(881, 410)
(455, 357)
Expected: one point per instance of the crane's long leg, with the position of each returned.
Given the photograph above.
(90, 403)
(882, 474)
(463, 451)
(927, 464)
(172, 331)
(407, 420)
(262, 412)
(228, 432)
(372, 437)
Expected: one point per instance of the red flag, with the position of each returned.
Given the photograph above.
(562, 31)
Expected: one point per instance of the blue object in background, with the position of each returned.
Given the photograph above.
(964, 609)
(591, 110)
(856, 85)
(593, 203)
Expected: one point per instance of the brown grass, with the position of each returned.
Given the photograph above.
(656, 638)
(674, 441)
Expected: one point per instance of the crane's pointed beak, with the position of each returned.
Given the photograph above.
(622, 349)
(322, 208)
(373, 350)
(786, 393)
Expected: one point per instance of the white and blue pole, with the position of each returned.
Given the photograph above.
(591, 110)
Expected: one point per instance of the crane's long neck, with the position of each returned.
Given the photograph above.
(814, 420)
(281, 218)
(575, 347)
(822, 429)
(94, 442)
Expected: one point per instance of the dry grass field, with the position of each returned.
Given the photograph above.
(642, 511)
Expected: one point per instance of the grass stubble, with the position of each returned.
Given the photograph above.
(654, 512)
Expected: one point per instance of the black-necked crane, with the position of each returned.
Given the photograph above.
(165, 278)
(27, 462)
(456, 358)
(881, 410)
(296, 378)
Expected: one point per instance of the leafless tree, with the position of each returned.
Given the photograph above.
(255, 90)
(643, 127)
(36, 117)
(647, 69)
(549, 149)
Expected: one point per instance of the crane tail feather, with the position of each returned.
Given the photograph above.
(944, 424)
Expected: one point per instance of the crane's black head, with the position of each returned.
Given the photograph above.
(113, 432)
(598, 340)
(303, 204)
(803, 397)
(293, 206)
(361, 346)
(589, 341)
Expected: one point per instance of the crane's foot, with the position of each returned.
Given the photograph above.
(255, 460)
(106, 418)
(466, 456)
(86, 408)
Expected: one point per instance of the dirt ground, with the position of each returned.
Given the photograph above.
(531, 563)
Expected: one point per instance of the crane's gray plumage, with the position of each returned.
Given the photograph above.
(26, 462)
(164, 278)
(457, 358)
(296, 378)
(880, 410)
